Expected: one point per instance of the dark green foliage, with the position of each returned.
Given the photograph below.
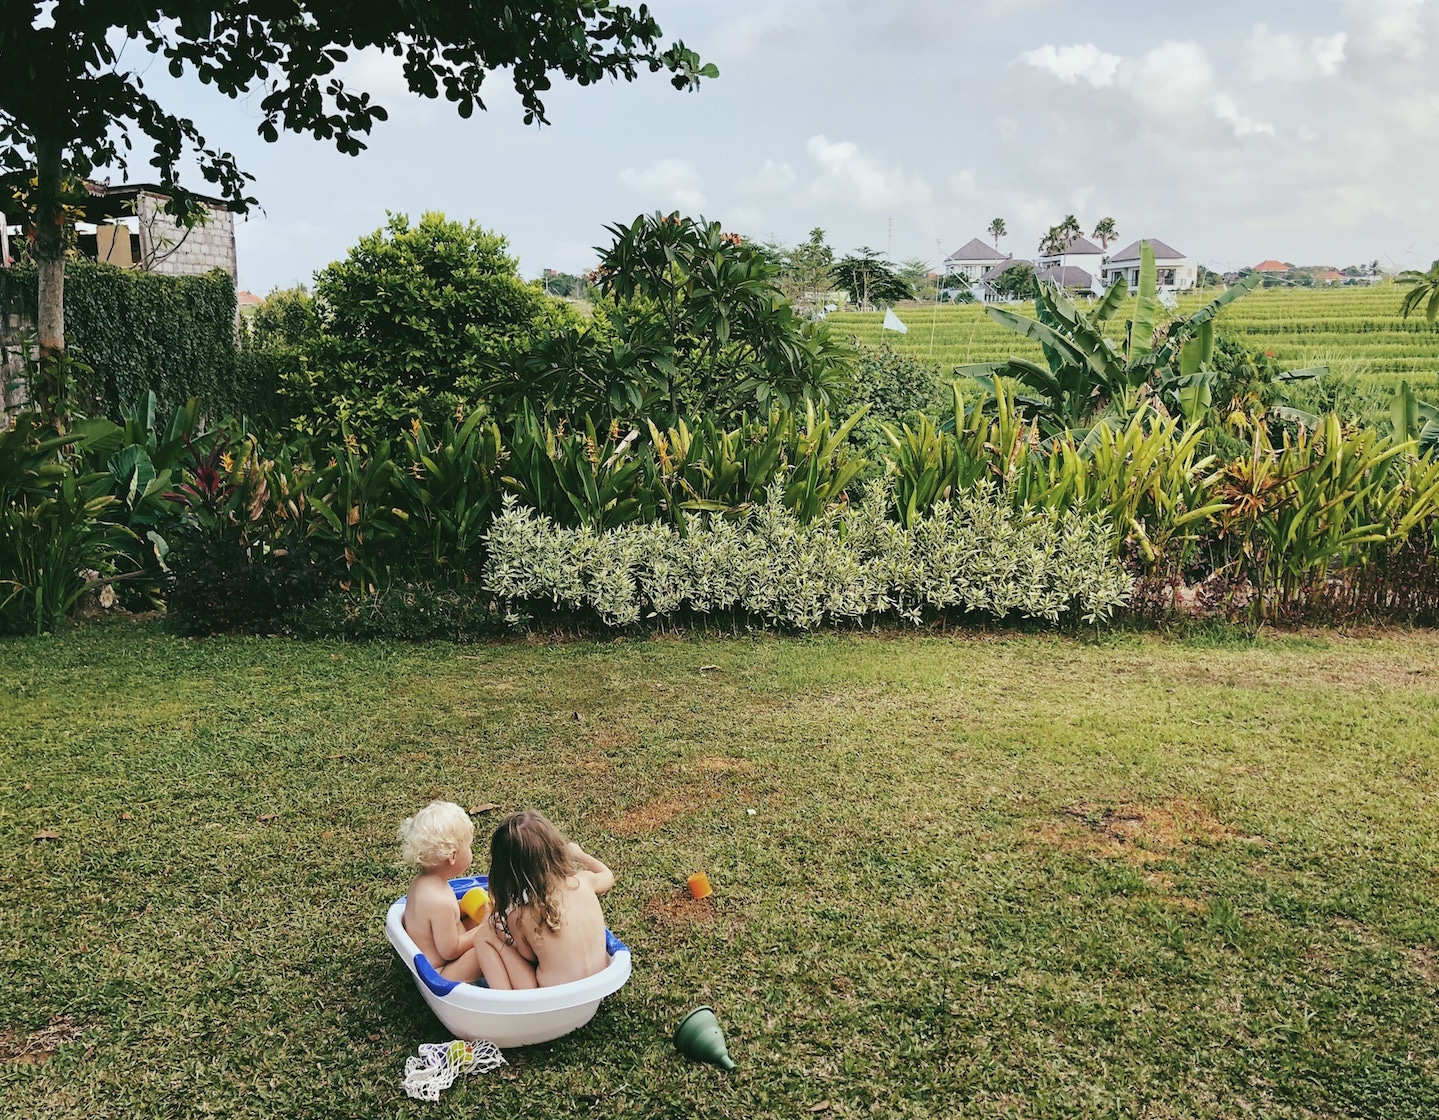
(135, 332)
(1016, 282)
(409, 612)
(220, 585)
(869, 279)
(410, 324)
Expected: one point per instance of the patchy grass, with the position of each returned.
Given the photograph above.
(999, 876)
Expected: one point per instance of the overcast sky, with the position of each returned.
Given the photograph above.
(1306, 130)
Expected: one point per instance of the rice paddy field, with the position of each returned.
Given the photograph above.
(1352, 330)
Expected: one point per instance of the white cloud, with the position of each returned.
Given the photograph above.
(1172, 80)
(1071, 65)
(666, 183)
(1228, 111)
(846, 173)
(771, 178)
(1276, 56)
(1388, 26)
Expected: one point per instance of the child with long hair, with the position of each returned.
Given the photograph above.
(544, 898)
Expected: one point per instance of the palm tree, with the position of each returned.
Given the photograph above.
(1105, 232)
(996, 230)
(1425, 292)
(1069, 229)
(1054, 242)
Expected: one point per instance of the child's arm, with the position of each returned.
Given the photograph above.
(604, 878)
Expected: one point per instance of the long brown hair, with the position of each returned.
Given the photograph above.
(529, 857)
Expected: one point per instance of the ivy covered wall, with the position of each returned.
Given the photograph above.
(140, 330)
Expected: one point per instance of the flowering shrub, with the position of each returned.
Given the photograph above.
(974, 554)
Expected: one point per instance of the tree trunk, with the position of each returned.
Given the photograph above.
(50, 254)
(50, 248)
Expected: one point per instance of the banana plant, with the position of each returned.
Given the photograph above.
(1089, 376)
(1413, 419)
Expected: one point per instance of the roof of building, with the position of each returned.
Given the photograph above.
(1003, 267)
(1271, 266)
(1162, 252)
(248, 299)
(1331, 274)
(1067, 277)
(976, 250)
(1081, 246)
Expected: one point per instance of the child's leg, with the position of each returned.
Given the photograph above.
(466, 968)
(504, 967)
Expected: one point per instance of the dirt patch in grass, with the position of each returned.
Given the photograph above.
(654, 815)
(1425, 961)
(721, 764)
(38, 1046)
(678, 908)
(1134, 831)
(608, 739)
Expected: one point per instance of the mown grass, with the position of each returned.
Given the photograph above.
(999, 876)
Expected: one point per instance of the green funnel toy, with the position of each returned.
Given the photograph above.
(699, 1036)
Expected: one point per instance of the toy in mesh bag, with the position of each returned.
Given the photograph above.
(440, 1063)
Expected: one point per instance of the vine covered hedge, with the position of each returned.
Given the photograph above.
(138, 331)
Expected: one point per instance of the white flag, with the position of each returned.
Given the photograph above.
(892, 323)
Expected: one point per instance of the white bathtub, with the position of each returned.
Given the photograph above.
(507, 1018)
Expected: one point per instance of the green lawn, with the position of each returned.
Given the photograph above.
(986, 876)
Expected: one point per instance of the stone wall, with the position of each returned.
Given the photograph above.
(12, 365)
(169, 248)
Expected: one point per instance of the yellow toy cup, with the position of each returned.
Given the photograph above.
(699, 884)
(473, 903)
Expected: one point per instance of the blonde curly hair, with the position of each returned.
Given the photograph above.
(434, 834)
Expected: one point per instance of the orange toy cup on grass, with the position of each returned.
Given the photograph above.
(700, 885)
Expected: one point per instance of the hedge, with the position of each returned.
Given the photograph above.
(143, 330)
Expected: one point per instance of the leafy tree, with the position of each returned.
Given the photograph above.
(1053, 242)
(1423, 292)
(67, 106)
(870, 279)
(916, 273)
(1105, 231)
(997, 230)
(411, 324)
(1016, 282)
(809, 264)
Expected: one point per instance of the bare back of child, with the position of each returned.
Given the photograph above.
(545, 892)
(438, 840)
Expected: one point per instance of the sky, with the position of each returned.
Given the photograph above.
(1303, 130)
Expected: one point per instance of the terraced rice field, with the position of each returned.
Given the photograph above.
(1354, 330)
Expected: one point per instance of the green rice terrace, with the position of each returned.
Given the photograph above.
(1352, 330)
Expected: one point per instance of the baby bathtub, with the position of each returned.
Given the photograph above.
(522, 1018)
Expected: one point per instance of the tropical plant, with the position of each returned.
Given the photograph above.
(1088, 375)
(997, 230)
(450, 491)
(1423, 292)
(579, 477)
(702, 324)
(59, 533)
(1105, 231)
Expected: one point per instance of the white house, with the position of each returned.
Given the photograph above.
(1174, 272)
(973, 260)
(1081, 255)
